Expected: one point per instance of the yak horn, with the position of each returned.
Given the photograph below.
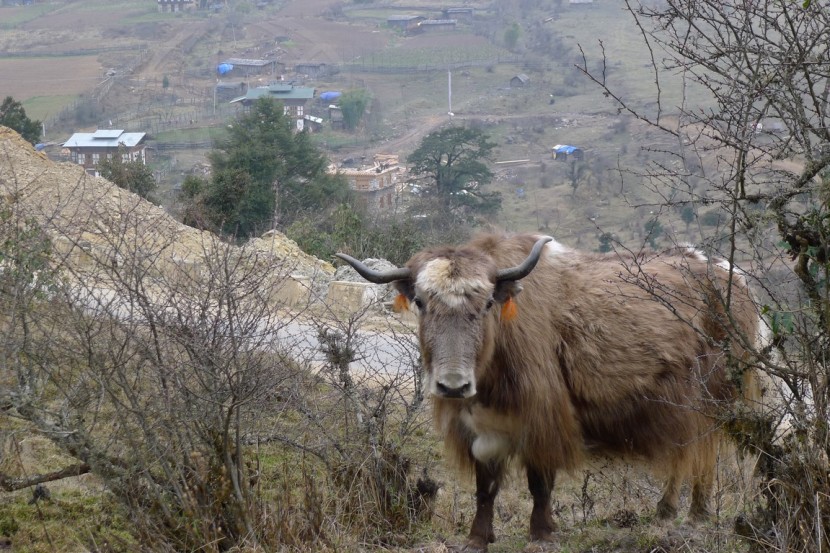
(375, 276)
(520, 271)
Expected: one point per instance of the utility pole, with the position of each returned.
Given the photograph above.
(449, 93)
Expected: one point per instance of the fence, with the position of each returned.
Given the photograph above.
(76, 52)
(379, 64)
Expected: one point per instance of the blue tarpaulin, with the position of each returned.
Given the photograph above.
(223, 68)
(563, 151)
(330, 95)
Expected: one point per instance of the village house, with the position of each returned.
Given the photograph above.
(462, 15)
(406, 23)
(376, 185)
(294, 99)
(245, 67)
(314, 69)
(519, 80)
(88, 149)
(436, 25)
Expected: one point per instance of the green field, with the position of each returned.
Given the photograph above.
(180, 136)
(41, 107)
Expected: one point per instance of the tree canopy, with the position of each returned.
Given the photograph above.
(511, 35)
(129, 175)
(353, 105)
(450, 165)
(263, 175)
(13, 115)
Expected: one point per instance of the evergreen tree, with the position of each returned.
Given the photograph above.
(511, 36)
(129, 175)
(353, 105)
(265, 175)
(450, 165)
(13, 115)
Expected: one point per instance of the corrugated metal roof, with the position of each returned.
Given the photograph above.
(104, 138)
(247, 61)
(404, 17)
(436, 22)
(107, 133)
(278, 92)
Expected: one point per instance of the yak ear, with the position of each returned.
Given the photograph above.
(506, 289)
(406, 292)
(405, 288)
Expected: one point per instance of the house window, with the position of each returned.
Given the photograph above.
(95, 158)
(125, 158)
(299, 111)
(81, 158)
(286, 110)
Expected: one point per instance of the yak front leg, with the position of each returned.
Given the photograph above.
(667, 506)
(488, 481)
(541, 519)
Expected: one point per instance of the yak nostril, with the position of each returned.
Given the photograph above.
(446, 391)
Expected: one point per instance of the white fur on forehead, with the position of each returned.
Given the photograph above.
(436, 278)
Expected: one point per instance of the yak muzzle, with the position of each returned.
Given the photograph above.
(453, 393)
(454, 385)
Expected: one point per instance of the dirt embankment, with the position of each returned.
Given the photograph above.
(81, 212)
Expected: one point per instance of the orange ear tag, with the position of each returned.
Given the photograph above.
(400, 304)
(509, 311)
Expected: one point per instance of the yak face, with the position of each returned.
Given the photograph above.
(455, 297)
(455, 290)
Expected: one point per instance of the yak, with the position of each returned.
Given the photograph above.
(626, 355)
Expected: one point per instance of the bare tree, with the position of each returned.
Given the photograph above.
(757, 150)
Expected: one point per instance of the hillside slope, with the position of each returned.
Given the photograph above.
(89, 218)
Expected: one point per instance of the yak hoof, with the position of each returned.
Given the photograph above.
(666, 511)
(473, 545)
(545, 536)
(698, 513)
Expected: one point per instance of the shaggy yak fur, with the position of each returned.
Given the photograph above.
(629, 356)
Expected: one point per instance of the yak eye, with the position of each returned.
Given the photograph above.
(418, 302)
(490, 303)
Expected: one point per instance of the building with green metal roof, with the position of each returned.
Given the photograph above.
(294, 99)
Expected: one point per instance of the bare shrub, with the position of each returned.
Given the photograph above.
(173, 372)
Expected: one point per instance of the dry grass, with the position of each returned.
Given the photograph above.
(48, 76)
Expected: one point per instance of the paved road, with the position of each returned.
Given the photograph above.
(376, 353)
(388, 355)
